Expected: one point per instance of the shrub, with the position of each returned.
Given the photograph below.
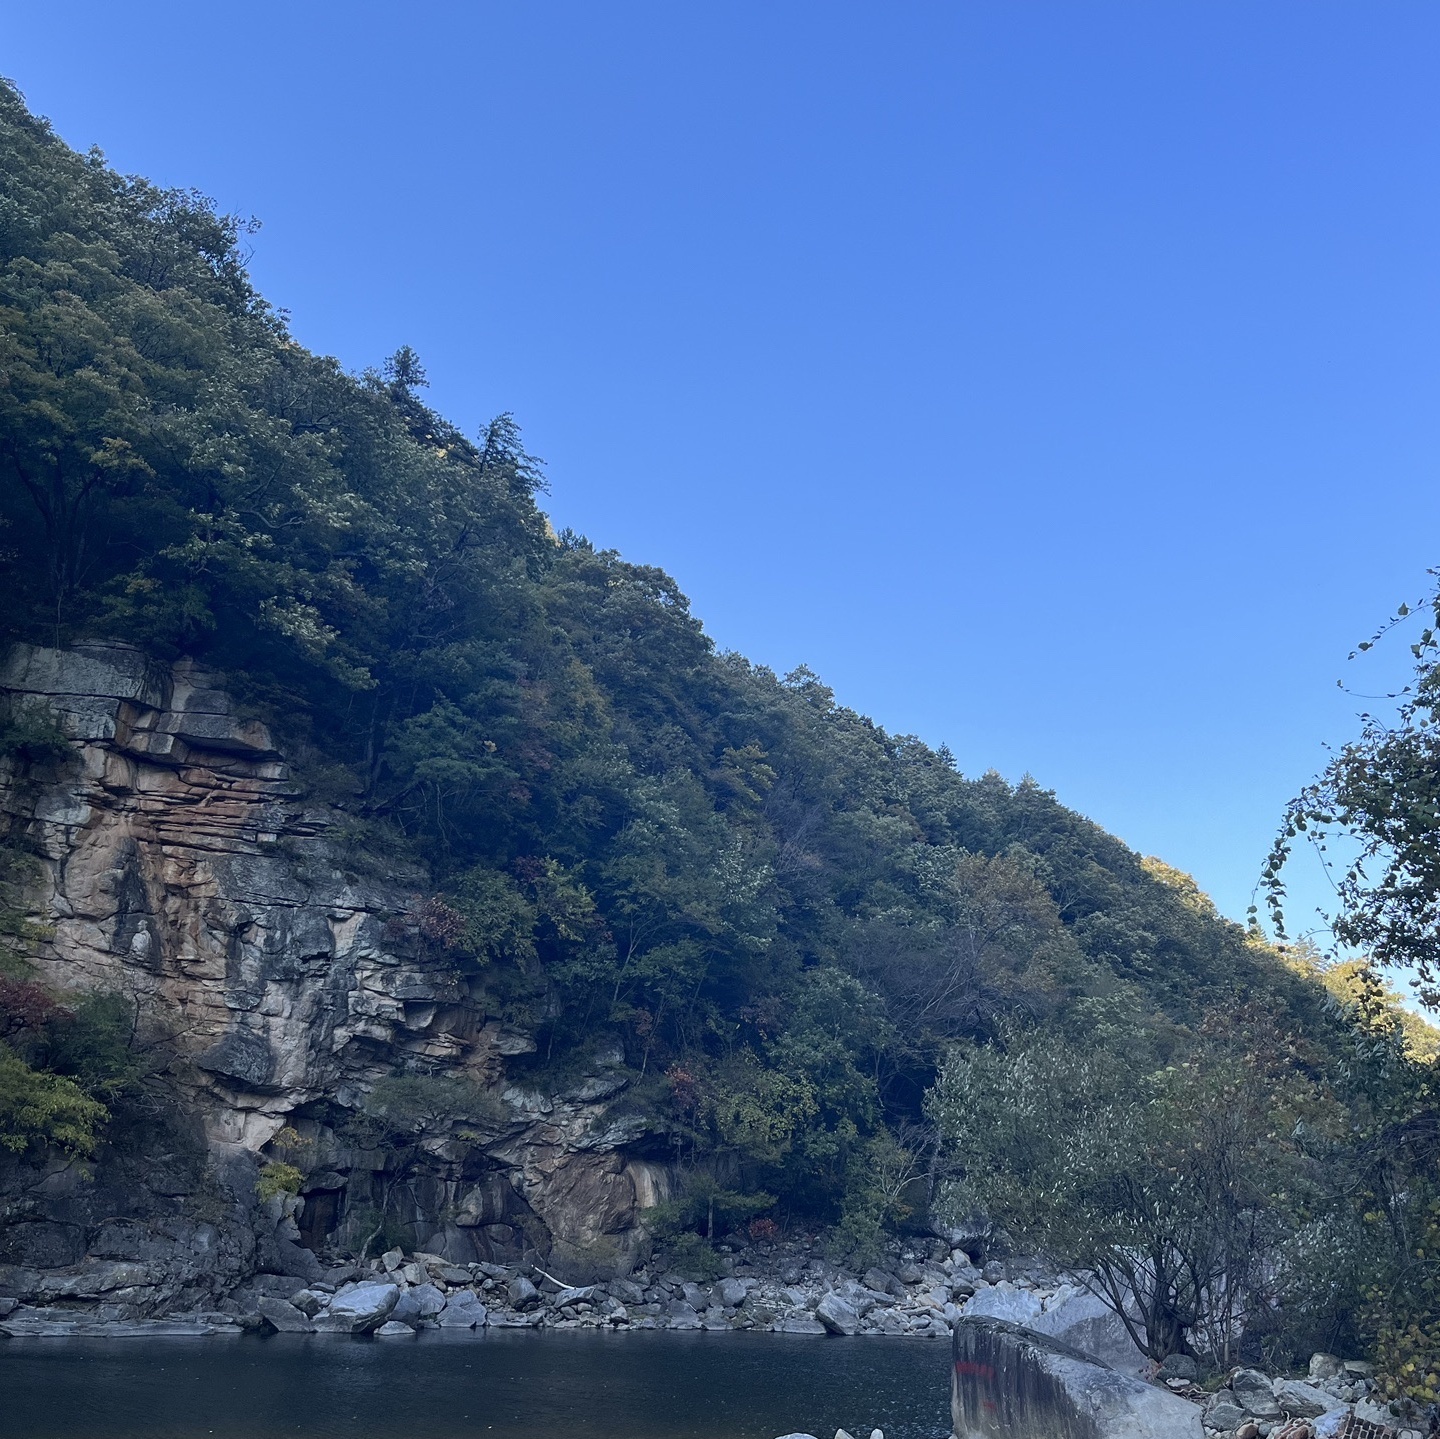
(40, 1108)
(277, 1177)
(693, 1257)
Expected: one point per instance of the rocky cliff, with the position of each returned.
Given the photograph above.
(275, 984)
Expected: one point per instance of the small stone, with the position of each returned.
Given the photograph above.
(392, 1259)
(877, 1434)
(1325, 1366)
(1248, 1430)
(843, 1434)
(393, 1329)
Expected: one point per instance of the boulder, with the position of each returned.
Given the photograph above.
(1005, 1301)
(1222, 1412)
(393, 1329)
(883, 1283)
(682, 1315)
(1174, 1366)
(463, 1311)
(729, 1293)
(1254, 1394)
(1008, 1380)
(521, 1293)
(695, 1297)
(285, 1318)
(358, 1308)
(1300, 1400)
(575, 1295)
(626, 1291)
(1084, 1321)
(308, 1302)
(1325, 1366)
(837, 1316)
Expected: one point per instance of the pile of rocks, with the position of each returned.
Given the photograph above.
(1336, 1400)
(801, 1295)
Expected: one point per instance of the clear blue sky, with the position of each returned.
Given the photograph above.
(1059, 380)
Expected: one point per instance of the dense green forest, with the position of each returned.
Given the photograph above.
(791, 920)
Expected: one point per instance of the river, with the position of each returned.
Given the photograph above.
(489, 1385)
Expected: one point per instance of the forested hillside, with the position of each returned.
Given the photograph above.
(784, 915)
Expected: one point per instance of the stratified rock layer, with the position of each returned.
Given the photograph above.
(180, 866)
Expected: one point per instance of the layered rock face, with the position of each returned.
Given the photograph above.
(180, 867)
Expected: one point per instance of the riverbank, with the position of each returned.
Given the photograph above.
(788, 1288)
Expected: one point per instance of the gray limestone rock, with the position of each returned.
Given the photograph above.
(730, 1293)
(358, 1308)
(1301, 1400)
(463, 1311)
(1174, 1366)
(682, 1315)
(1008, 1380)
(284, 1317)
(521, 1293)
(1254, 1394)
(837, 1316)
(393, 1329)
(1222, 1412)
(1005, 1301)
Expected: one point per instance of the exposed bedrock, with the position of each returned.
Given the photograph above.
(1012, 1382)
(180, 866)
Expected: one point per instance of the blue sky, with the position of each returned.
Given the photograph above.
(1057, 379)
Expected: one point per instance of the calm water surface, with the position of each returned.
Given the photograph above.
(494, 1385)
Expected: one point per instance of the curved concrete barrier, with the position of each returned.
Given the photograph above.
(1012, 1383)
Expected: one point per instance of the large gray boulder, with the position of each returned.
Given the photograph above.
(1005, 1301)
(837, 1316)
(284, 1317)
(463, 1311)
(521, 1293)
(729, 1293)
(1300, 1400)
(1254, 1393)
(1085, 1322)
(1222, 1412)
(1009, 1380)
(358, 1308)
